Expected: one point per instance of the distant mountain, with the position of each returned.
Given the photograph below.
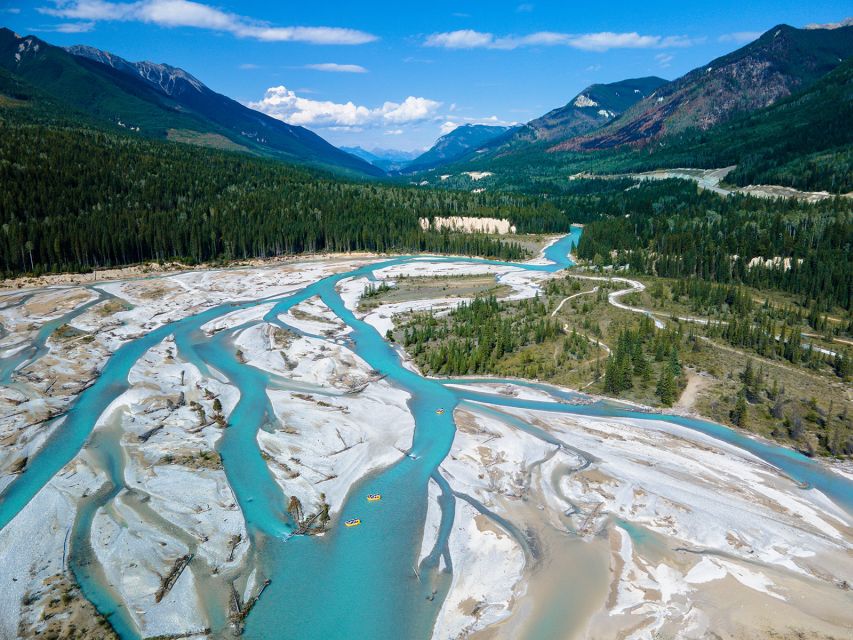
(456, 144)
(782, 61)
(161, 101)
(847, 22)
(385, 159)
(592, 108)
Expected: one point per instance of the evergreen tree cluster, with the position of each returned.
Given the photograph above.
(475, 337)
(74, 199)
(373, 290)
(770, 330)
(670, 229)
(631, 361)
(809, 426)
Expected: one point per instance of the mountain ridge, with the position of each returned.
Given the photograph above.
(169, 78)
(594, 107)
(780, 62)
(456, 144)
(162, 101)
(385, 159)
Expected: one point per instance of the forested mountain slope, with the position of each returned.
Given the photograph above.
(158, 101)
(454, 145)
(804, 141)
(593, 108)
(782, 61)
(671, 229)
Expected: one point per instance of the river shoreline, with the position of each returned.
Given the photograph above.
(266, 383)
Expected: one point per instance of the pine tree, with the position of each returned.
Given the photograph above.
(666, 387)
(642, 368)
(674, 364)
(611, 376)
(739, 413)
(747, 377)
(751, 381)
(774, 390)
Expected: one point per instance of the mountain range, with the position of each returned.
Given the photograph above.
(779, 63)
(160, 101)
(448, 148)
(389, 160)
(614, 125)
(622, 125)
(455, 144)
(594, 107)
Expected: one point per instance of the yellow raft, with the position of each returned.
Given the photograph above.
(353, 523)
(439, 412)
(374, 497)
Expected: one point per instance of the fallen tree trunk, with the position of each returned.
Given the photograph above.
(170, 580)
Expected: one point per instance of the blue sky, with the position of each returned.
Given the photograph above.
(397, 75)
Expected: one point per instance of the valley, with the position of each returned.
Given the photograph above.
(441, 328)
(224, 386)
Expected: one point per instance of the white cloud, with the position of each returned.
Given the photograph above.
(185, 13)
(333, 67)
(394, 132)
(88, 10)
(66, 27)
(410, 110)
(448, 126)
(461, 39)
(13, 10)
(284, 104)
(74, 27)
(607, 40)
(740, 37)
(470, 39)
(249, 66)
(664, 60)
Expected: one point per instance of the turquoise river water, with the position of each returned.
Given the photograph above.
(349, 583)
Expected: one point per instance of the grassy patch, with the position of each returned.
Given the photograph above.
(67, 332)
(212, 140)
(6, 101)
(427, 288)
(195, 460)
(112, 306)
